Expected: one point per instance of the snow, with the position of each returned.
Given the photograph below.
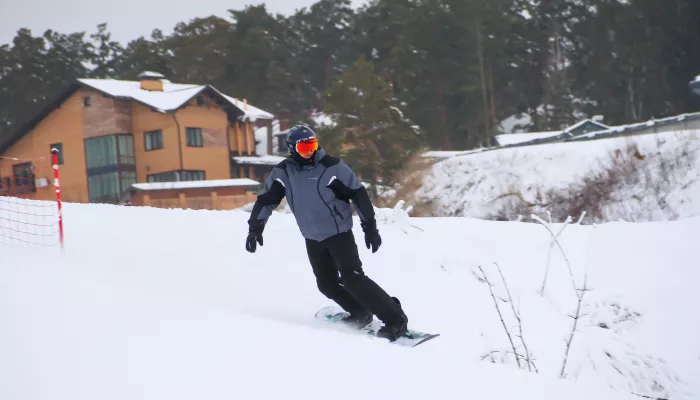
(264, 160)
(515, 123)
(148, 303)
(212, 183)
(449, 153)
(251, 112)
(322, 120)
(645, 124)
(514, 138)
(479, 185)
(261, 137)
(172, 97)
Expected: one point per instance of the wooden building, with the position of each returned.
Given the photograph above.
(112, 134)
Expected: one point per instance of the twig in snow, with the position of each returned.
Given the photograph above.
(549, 254)
(580, 219)
(576, 318)
(491, 353)
(495, 302)
(556, 240)
(517, 317)
(648, 397)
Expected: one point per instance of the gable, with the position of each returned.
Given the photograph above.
(586, 127)
(32, 123)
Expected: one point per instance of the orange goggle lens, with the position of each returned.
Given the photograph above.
(307, 147)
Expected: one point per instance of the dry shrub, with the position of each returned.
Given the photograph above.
(629, 184)
(410, 180)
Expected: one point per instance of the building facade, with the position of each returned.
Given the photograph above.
(112, 134)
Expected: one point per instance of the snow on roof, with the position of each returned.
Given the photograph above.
(172, 97)
(639, 125)
(251, 111)
(265, 160)
(515, 138)
(151, 74)
(583, 122)
(214, 183)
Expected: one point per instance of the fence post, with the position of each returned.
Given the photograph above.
(57, 185)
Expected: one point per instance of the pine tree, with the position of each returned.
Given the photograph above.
(371, 131)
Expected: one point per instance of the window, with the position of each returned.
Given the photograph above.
(194, 137)
(126, 149)
(110, 166)
(191, 175)
(104, 188)
(153, 140)
(59, 147)
(177, 176)
(128, 178)
(24, 178)
(87, 101)
(200, 100)
(101, 151)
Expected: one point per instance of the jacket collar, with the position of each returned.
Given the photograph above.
(320, 153)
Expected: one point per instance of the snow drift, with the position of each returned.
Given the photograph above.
(651, 177)
(147, 303)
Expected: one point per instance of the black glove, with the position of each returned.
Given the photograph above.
(371, 234)
(255, 230)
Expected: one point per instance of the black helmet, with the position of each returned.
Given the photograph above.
(298, 134)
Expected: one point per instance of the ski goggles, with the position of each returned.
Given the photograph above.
(307, 147)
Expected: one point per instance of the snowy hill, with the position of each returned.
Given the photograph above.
(639, 178)
(166, 304)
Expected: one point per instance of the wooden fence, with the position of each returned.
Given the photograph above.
(212, 202)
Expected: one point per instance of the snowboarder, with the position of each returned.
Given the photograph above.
(319, 188)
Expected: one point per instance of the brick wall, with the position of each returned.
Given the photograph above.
(105, 116)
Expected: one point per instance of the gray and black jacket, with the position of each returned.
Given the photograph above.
(318, 194)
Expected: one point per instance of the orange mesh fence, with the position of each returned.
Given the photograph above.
(30, 207)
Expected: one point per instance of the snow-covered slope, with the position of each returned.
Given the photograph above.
(167, 304)
(656, 180)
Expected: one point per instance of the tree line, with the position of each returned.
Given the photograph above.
(451, 69)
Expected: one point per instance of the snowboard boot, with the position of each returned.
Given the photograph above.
(358, 319)
(394, 329)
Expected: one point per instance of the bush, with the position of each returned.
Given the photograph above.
(630, 184)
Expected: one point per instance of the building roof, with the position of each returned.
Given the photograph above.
(579, 128)
(173, 96)
(516, 138)
(619, 130)
(213, 183)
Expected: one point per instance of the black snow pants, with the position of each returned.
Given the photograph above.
(338, 269)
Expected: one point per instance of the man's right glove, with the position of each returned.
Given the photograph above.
(255, 230)
(371, 234)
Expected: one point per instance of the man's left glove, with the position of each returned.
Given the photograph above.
(255, 230)
(372, 237)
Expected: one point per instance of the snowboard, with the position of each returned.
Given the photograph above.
(411, 338)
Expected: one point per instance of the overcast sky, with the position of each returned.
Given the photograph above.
(126, 19)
